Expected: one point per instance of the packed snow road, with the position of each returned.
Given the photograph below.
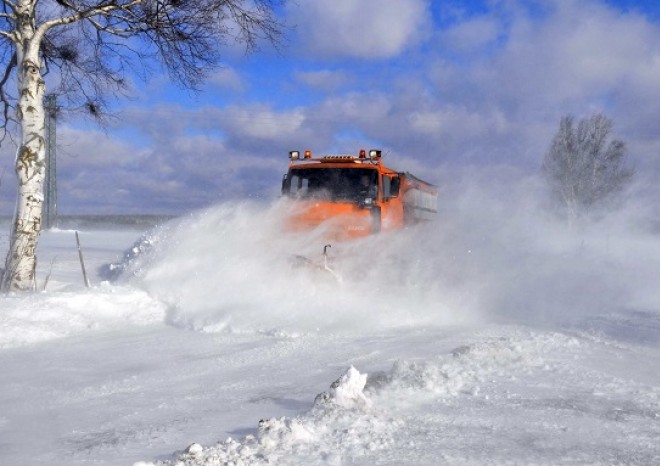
(200, 345)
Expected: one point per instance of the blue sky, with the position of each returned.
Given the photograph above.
(438, 85)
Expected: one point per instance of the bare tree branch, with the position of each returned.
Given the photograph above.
(4, 101)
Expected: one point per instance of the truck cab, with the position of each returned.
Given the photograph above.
(353, 196)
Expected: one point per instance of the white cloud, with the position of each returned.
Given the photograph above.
(325, 80)
(227, 78)
(570, 58)
(427, 122)
(262, 122)
(454, 120)
(581, 50)
(359, 28)
(472, 34)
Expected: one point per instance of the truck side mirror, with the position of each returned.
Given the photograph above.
(285, 184)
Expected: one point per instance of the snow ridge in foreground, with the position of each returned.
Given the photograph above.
(355, 417)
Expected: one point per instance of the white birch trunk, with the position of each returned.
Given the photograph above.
(20, 265)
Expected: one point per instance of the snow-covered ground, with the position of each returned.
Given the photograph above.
(491, 336)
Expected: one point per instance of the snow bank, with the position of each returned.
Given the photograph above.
(66, 307)
(46, 316)
(358, 417)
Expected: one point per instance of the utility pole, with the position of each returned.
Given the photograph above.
(50, 188)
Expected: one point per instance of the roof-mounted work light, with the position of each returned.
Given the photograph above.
(308, 154)
(294, 154)
(363, 154)
(375, 154)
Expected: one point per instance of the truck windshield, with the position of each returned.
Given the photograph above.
(337, 184)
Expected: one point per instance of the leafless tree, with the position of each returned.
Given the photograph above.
(585, 170)
(88, 49)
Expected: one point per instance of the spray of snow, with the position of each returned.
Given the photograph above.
(493, 254)
(233, 268)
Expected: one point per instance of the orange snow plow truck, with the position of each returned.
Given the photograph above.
(354, 196)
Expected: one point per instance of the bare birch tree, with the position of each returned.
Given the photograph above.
(88, 49)
(585, 170)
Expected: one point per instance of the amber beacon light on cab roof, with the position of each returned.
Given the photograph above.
(354, 196)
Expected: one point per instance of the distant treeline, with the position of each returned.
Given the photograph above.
(104, 222)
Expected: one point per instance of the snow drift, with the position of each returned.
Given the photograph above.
(381, 419)
(41, 317)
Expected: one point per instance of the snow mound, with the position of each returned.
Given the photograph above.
(34, 318)
(346, 392)
(357, 416)
(341, 422)
(462, 371)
